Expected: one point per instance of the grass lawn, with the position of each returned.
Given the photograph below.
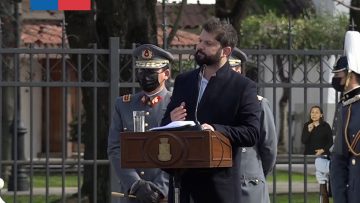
(56, 181)
(283, 176)
(298, 198)
(71, 180)
(39, 180)
(26, 199)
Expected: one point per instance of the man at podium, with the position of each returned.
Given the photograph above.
(219, 99)
(152, 70)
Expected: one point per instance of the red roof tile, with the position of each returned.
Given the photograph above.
(48, 33)
(182, 38)
(41, 34)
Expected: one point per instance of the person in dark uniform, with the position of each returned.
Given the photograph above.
(219, 99)
(338, 83)
(258, 161)
(345, 158)
(152, 70)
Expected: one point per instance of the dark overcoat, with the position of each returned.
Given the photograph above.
(229, 103)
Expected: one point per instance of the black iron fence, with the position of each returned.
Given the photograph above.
(42, 109)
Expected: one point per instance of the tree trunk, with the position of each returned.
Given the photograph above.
(232, 10)
(296, 8)
(8, 40)
(176, 23)
(354, 14)
(283, 107)
(112, 19)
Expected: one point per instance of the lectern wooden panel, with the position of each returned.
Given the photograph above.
(175, 149)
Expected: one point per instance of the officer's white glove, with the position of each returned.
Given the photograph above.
(146, 192)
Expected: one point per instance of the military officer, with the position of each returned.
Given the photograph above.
(256, 162)
(152, 70)
(345, 159)
(338, 83)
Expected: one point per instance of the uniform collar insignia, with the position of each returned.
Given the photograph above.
(351, 97)
(146, 100)
(126, 98)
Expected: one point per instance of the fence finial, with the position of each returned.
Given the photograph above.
(352, 26)
(63, 32)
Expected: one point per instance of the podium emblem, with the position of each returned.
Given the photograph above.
(164, 150)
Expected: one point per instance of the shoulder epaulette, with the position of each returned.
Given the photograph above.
(126, 98)
(351, 100)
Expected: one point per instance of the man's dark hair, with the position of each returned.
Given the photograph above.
(224, 31)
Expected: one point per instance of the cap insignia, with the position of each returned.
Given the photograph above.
(147, 54)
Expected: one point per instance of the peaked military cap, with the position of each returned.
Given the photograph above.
(151, 56)
(341, 65)
(237, 57)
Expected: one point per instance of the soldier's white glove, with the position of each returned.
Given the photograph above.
(146, 192)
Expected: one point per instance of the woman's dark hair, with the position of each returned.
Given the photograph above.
(321, 111)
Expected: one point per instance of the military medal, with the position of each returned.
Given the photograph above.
(353, 162)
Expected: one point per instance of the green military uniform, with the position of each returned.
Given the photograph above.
(149, 58)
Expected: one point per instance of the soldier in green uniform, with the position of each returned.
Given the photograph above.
(256, 162)
(152, 70)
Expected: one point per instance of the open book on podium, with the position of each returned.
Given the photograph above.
(173, 146)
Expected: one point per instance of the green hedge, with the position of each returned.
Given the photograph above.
(310, 32)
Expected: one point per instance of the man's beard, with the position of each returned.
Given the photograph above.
(203, 59)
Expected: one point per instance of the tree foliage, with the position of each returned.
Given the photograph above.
(309, 32)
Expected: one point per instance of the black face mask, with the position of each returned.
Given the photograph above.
(148, 79)
(336, 84)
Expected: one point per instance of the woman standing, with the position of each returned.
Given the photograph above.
(316, 134)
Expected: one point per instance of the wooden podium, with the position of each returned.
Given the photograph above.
(175, 149)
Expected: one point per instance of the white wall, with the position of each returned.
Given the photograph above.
(35, 105)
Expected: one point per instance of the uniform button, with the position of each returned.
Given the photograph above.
(125, 129)
(256, 181)
(142, 173)
(243, 150)
(146, 125)
(147, 113)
